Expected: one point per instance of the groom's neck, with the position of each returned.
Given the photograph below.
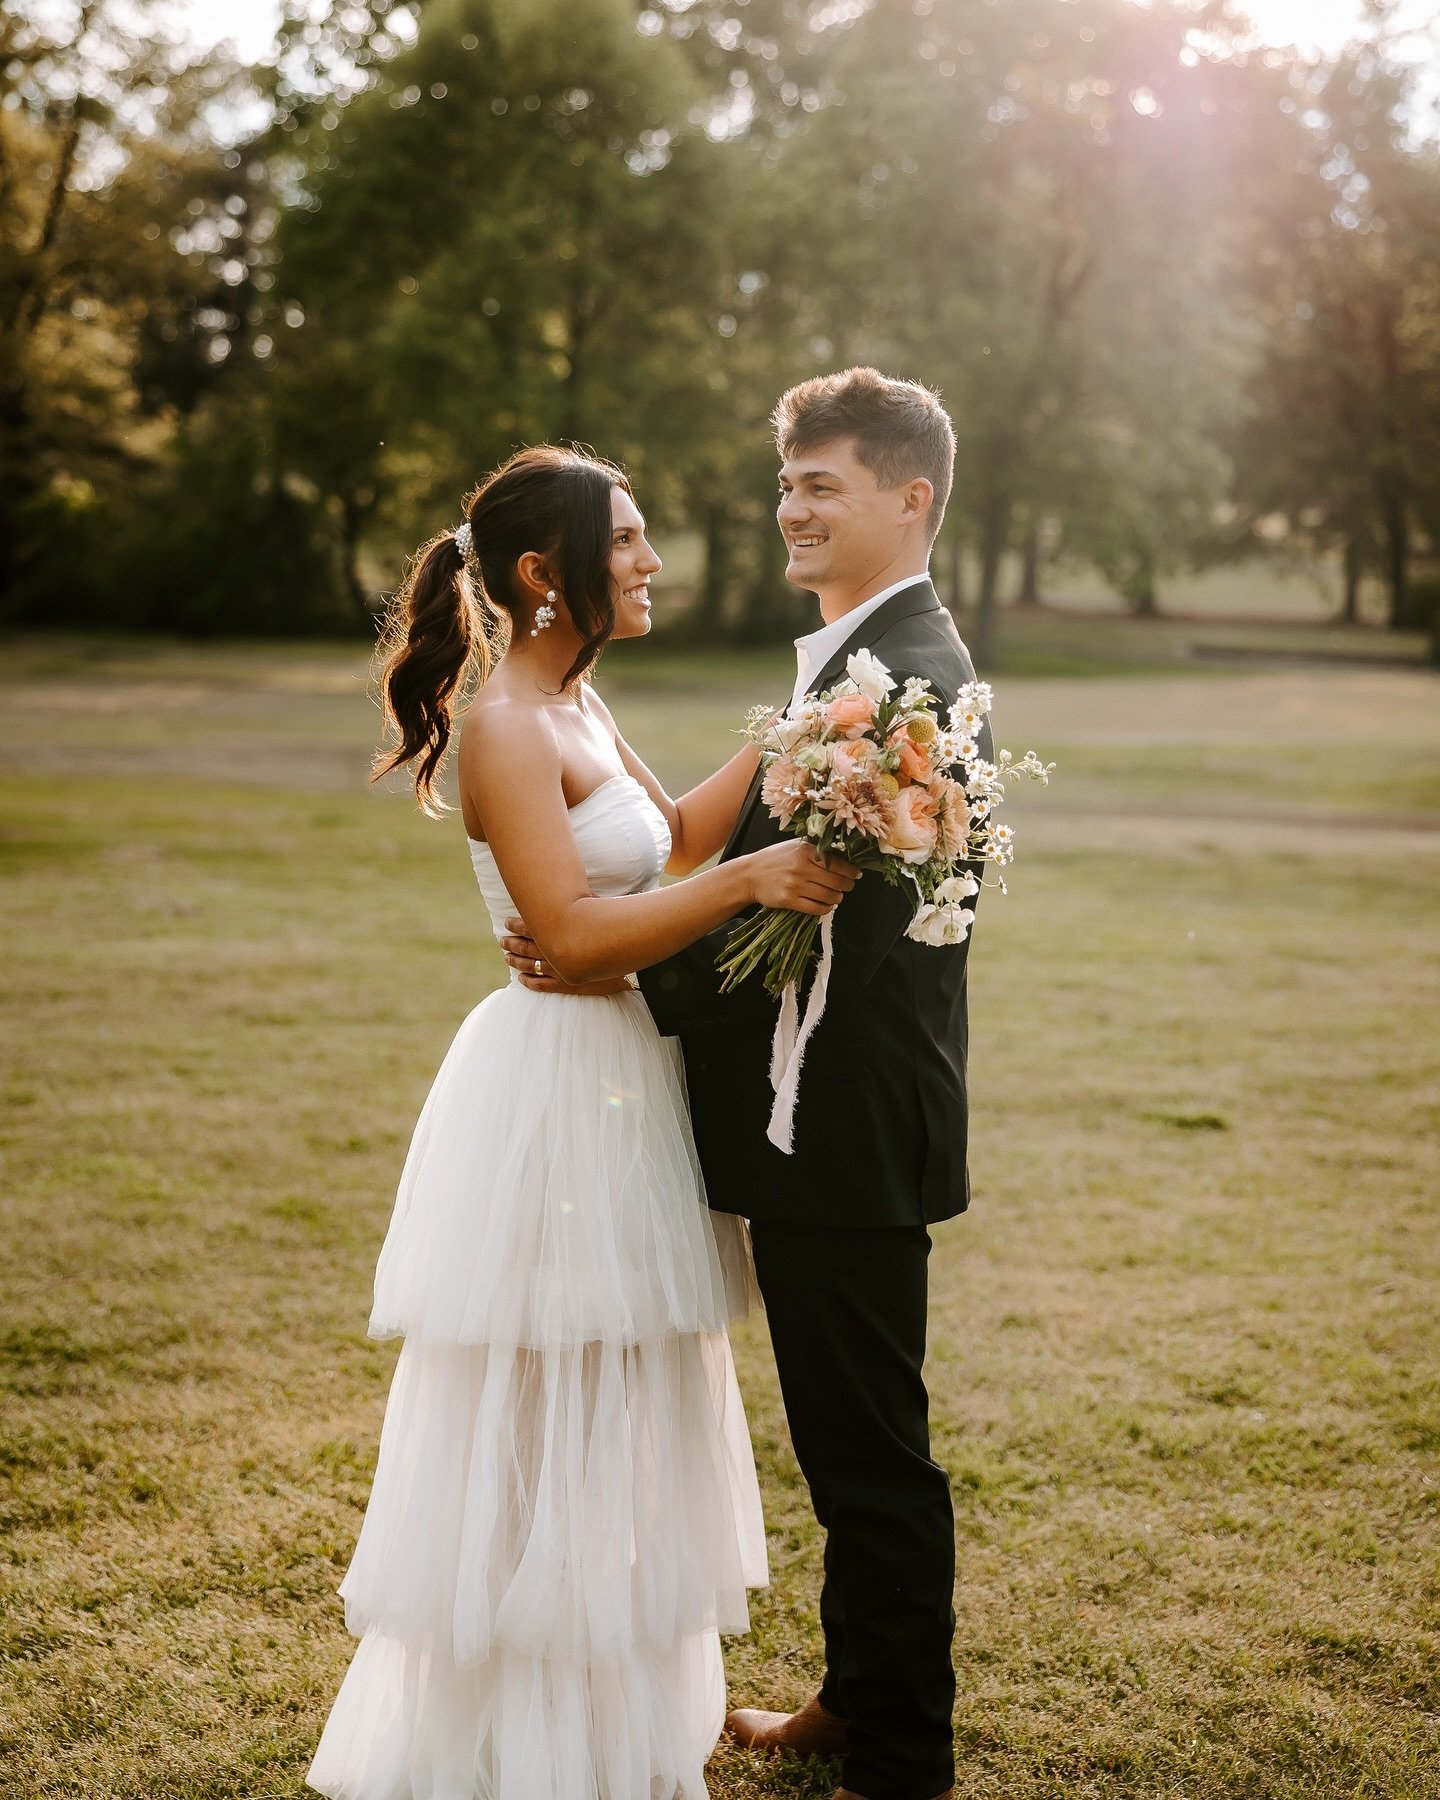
(839, 598)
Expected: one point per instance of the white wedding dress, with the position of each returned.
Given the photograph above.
(565, 1513)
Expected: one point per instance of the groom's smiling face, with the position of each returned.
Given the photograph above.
(841, 527)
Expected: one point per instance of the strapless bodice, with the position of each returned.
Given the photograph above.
(623, 840)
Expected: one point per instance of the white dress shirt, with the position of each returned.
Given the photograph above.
(813, 652)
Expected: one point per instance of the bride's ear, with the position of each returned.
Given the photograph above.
(535, 576)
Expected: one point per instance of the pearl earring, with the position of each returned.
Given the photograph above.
(545, 615)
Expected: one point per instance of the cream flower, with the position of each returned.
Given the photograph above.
(940, 925)
(789, 729)
(869, 675)
(956, 888)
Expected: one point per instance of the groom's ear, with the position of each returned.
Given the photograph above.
(916, 499)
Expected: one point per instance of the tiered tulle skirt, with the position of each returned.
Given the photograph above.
(565, 1513)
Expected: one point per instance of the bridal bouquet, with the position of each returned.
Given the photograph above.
(874, 776)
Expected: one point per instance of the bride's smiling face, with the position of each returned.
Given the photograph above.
(632, 563)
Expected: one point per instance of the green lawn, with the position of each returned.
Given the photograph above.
(1184, 1349)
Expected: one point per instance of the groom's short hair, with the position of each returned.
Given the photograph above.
(900, 429)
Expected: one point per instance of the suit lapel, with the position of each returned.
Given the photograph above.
(919, 597)
(747, 812)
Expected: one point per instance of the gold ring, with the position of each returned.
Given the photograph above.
(539, 966)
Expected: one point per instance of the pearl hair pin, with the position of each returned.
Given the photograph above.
(545, 615)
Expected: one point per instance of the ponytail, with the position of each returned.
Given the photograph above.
(433, 636)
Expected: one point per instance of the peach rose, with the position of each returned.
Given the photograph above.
(850, 714)
(857, 756)
(910, 826)
(915, 764)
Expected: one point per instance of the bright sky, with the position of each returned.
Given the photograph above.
(1314, 24)
(1320, 24)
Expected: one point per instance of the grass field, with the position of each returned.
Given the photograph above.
(1184, 1348)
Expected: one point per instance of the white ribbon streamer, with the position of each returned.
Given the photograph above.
(787, 1050)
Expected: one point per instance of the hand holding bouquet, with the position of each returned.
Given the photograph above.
(873, 775)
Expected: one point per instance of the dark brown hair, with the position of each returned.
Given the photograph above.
(451, 616)
(899, 428)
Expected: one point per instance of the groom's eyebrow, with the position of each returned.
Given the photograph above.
(813, 475)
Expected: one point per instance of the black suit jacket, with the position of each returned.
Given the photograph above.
(880, 1125)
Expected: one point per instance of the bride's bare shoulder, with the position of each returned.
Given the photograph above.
(504, 734)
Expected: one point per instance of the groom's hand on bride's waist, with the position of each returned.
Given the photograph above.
(524, 956)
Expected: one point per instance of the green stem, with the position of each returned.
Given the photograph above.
(783, 941)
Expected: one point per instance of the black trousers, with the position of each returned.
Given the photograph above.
(847, 1312)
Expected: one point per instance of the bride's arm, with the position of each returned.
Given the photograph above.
(701, 820)
(511, 768)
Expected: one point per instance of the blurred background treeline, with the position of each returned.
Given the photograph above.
(262, 325)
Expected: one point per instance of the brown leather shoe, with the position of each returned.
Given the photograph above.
(850, 1794)
(810, 1732)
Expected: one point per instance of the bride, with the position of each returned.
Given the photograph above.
(565, 1515)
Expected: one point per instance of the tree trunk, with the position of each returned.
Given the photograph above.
(769, 616)
(1029, 594)
(955, 573)
(18, 487)
(1354, 571)
(1390, 478)
(353, 512)
(707, 620)
(994, 541)
(572, 388)
(23, 301)
(1396, 529)
(571, 416)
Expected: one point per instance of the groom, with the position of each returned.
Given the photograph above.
(840, 1228)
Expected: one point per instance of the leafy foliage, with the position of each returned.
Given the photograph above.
(1182, 300)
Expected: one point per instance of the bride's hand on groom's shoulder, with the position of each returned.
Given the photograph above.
(795, 876)
(523, 955)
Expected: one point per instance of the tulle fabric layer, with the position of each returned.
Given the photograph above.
(551, 1196)
(575, 1504)
(411, 1726)
(553, 1543)
(565, 1513)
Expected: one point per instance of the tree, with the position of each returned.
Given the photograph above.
(1147, 273)
(1344, 441)
(118, 272)
(1018, 206)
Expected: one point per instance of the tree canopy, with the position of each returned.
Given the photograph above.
(261, 327)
